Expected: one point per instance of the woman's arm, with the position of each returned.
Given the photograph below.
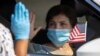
(20, 26)
(21, 47)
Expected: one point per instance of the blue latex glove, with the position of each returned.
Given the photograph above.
(20, 24)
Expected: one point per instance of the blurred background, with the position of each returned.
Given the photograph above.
(40, 8)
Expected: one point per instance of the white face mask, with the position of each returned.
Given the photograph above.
(58, 36)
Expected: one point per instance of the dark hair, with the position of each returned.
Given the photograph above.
(62, 9)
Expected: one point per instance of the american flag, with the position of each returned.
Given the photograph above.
(78, 33)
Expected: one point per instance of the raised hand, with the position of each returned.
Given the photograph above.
(20, 24)
(33, 31)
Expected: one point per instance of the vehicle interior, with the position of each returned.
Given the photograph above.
(82, 8)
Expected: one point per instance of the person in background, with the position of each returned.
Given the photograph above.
(59, 22)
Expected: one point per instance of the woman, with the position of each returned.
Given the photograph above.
(59, 22)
